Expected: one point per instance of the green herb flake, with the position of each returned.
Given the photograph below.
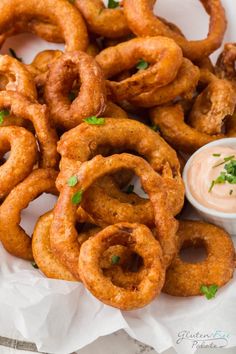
(71, 96)
(226, 159)
(115, 259)
(34, 265)
(113, 4)
(72, 181)
(3, 113)
(94, 120)
(155, 127)
(209, 291)
(14, 55)
(77, 197)
(231, 192)
(130, 189)
(216, 155)
(142, 65)
(211, 186)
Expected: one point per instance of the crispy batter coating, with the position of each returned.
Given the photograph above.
(17, 77)
(110, 23)
(23, 156)
(13, 237)
(91, 100)
(64, 242)
(124, 135)
(216, 102)
(186, 279)
(137, 238)
(225, 65)
(43, 256)
(173, 128)
(163, 55)
(19, 106)
(183, 86)
(71, 23)
(143, 23)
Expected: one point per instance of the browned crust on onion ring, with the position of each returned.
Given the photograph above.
(23, 156)
(13, 237)
(64, 15)
(186, 279)
(21, 107)
(143, 22)
(163, 54)
(136, 237)
(91, 99)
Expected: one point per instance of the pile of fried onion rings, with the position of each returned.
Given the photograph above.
(105, 126)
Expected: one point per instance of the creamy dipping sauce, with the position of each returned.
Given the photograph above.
(211, 178)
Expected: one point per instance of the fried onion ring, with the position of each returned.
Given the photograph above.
(16, 77)
(225, 65)
(91, 100)
(23, 156)
(183, 86)
(110, 23)
(173, 128)
(137, 238)
(13, 237)
(124, 134)
(63, 15)
(63, 234)
(21, 107)
(162, 53)
(186, 279)
(213, 106)
(143, 23)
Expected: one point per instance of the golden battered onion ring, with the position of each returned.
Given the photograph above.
(186, 279)
(124, 134)
(110, 23)
(64, 15)
(23, 156)
(17, 77)
(136, 237)
(43, 256)
(13, 237)
(162, 53)
(216, 102)
(182, 86)
(63, 234)
(114, 111)
(91, 100)
(225, 65)
(173, 128)
(143, 23)
(21, 107)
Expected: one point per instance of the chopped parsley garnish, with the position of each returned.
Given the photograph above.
(226, 159)
(115, 259)
(216, 155)
(155, 127)
(3, 113)
(71, 96)
(77, 197)
(227, 175)
(72, 181)
(142, 65)
(14, 55)
(130, 189)
(113, 4)
(34, 265)
(94, 120)
(209, 291)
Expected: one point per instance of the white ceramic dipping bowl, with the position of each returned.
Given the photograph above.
(225, 220)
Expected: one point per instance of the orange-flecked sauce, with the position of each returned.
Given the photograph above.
(201, 174)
